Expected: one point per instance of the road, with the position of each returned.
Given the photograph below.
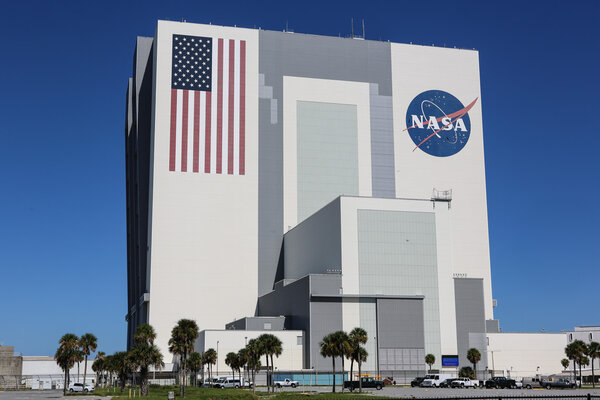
(43, 395)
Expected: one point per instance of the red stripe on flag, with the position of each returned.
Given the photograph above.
(220, 108)
(231, 105)
(173, 139)
(184, 132)
(242, 107)
(196, 129)
(207, 118)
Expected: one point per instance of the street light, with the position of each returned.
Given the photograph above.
(376, 357)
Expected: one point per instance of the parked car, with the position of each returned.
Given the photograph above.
(78, 387)
(434, 380)
(533, 382)
(464, 383)
(286, 383)
(417, 381)
(447, 382)
(558, 382)
(500, 382)
(228, 383)
(367, 382)
(389, 380)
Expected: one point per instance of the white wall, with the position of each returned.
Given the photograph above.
(234, 340)
(196, 219)
(525, 352)
(416, 69)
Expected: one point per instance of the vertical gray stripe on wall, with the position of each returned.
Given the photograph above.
(382, 144)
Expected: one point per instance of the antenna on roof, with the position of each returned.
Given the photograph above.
(286, 26)
(363, 23)
(352, 30)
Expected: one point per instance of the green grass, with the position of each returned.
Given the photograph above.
(193, 393)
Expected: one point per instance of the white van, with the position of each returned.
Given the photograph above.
(434, 380)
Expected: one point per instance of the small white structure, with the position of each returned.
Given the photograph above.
(44, 373)
(521, 355)
(225, 341)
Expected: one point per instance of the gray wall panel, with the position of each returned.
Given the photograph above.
(470, 316)
(400, 323)
(326, 317)
(314, 246)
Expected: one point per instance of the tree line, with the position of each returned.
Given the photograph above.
(581, 354)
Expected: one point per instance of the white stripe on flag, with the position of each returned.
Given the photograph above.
(202, 136)
(225, 133)
(190, 136)
(214, 106)
(178, 130)
(236, 111)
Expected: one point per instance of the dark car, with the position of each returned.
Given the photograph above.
(447, 382)
(500, 382)
(417, 381)
(367, 382)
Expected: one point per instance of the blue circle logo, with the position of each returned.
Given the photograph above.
(438, 123)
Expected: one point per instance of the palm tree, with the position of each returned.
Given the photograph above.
(195, 364)
(593, 352)
(122, 365)
(88, 343)
(474, 356)
(565, 363)
(210, 359)
(98, 366)
(576, 351)
(254, 350)
(356, 337)
(243, 360)
(344, 350)
(66, 355)
(183, 336)
(334, 345)
(78, 357)
(271, 347)
(231, 359)
(362, 357)
(108, 365)
(145, 354)
(429, 360)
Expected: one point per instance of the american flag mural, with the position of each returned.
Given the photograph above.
(208, 105)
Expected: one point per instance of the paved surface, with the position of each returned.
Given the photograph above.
(407, 392)
(43, 395)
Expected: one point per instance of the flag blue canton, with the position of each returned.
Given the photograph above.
(192, 63)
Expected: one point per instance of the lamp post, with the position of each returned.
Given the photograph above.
(376, 357)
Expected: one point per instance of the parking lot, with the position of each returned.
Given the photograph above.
(410, 393)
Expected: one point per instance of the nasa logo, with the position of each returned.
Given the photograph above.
(438, 123)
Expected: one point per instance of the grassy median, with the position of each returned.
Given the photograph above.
(193, 393)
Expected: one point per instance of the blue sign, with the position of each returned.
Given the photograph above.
(449, 361)
(438, 123)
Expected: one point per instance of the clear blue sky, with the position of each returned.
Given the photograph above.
(63, 75)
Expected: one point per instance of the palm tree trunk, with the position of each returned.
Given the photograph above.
(273, 372)
(593, 378)
(268, 383)
(144, 381)
(342, 374)
(65, 384)
(333, 360)
(574, 371)
(84, 372)
(351, 369)
(359, 375)
(580, 377)
(475, 369)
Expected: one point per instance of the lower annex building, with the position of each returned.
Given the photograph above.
(338, 182)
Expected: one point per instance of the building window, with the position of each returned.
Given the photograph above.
(570, 337)
(591, 336)
(267, 326)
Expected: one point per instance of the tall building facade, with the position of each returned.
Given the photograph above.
(260, 160)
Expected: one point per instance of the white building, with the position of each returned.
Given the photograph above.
(333, 181)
